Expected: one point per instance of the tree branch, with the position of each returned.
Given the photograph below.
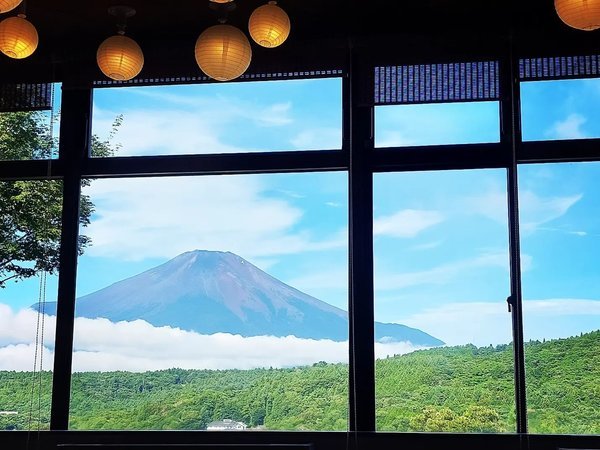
(8, 279)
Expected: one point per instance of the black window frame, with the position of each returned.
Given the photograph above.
(360, 159)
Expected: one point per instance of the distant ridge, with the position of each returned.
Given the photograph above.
(210, 292)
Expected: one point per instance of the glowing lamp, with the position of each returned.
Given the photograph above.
(9, 5)
(18, 37)
(579, 14)
(223, 52)
(269, 25)
(120, 58)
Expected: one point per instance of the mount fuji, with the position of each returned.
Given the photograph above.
(210, 292)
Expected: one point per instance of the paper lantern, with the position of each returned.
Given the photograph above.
(120, 58)
(9, 5)
(579, 14)
(269, 25)
(18, 37)
(223, 52)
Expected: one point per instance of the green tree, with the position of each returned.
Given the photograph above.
(30, 211)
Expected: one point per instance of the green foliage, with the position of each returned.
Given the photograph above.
(563, 389)
(30, 211)
(22, 392)
(475, 419)
(433, 390)
(453, 389)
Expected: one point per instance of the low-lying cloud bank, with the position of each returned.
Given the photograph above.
(101, 345)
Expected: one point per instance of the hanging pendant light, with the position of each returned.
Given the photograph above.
(223, 52)
(269, 25)
(9, 5)
(119, 57)
(580, 14)
(18, 37)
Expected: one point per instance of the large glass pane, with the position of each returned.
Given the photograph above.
(214, 302)
(562, 109)
(31, 134)
(30, 218)
(560, 228)
(221, 117)
(437, 124)
(444, 352)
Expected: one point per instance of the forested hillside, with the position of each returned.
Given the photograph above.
(444, 389)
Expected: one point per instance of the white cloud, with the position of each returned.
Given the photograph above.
(163, 217)
(318, 139)
(579, 233)
(274, 115)
(19, 327)
(492, 204)
(101, 345)
(569, 128)
(219, 108)
(479, 323)
(406, 223)
(427, 246)
(534, 210)
(441, 274)
(291, 194)
(389, 138)
(484, 323)
(562, 307)
(148, 132)
(184, 124)
(20, 357)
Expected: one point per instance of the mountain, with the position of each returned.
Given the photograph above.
(210, 292)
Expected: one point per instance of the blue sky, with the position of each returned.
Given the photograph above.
(441, 238)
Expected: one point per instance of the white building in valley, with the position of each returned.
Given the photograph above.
(226, 425)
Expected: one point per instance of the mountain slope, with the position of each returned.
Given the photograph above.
(211, 292)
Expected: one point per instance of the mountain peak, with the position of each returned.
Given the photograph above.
(220, 292)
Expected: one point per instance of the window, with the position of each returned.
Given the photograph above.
(560, 109)
(30, 227)
(437, 124)
(214, 297)
(30, 133)
(437, 104)
(561, 236)
(213, 302)
(221, 118)
(443, 333)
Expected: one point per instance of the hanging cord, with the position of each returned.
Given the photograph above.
(36, 376)
(43, 282)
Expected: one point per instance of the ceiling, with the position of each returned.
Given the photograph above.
(71, 30)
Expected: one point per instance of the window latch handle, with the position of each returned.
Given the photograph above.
(510, 301)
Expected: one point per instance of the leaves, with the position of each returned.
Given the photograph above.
(454, 389)
(30, 211)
